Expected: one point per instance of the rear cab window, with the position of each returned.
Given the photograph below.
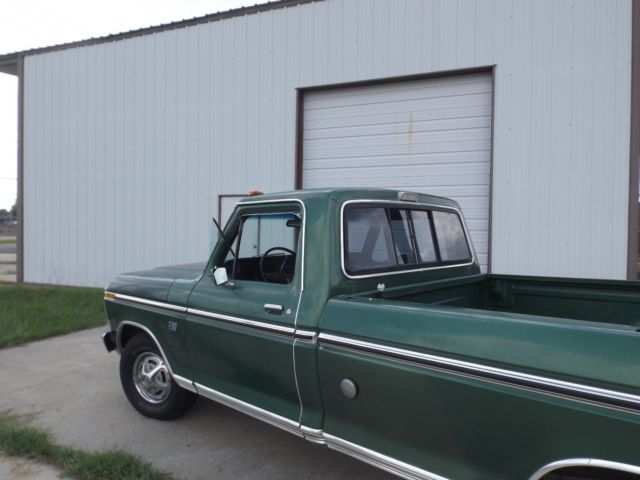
(380, 238)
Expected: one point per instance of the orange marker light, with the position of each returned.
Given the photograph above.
(253, 193)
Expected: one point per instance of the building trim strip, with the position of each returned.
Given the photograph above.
(634, 145)
(493, 129)
(299, 152)
(20, 199)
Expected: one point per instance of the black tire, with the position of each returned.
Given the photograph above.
(578, 473)
(158, 397)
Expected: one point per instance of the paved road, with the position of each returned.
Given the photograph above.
(8, 247)
(72, 385)
(7, 268)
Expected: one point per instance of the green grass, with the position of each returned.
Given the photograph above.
(32, 312)
(17, 439)
(7, 240)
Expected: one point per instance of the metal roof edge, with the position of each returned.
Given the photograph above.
(9, 66)
(10, 58)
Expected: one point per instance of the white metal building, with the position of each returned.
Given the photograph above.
(525, 111)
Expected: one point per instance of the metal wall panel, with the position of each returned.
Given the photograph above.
(128, 144)
(430, 136)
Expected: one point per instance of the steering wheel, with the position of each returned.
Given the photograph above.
(276, 276)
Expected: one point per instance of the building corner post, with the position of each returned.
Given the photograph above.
(634, 143)
(20, 208)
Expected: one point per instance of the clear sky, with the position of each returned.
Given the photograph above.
(28, 24)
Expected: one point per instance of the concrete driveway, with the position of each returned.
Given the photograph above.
(72, 386)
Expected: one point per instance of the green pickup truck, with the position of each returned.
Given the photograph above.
(360, 320)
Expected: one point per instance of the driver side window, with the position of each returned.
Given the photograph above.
(266, 246)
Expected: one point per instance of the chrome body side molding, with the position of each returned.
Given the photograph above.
(267, 327)
(379, 460)
(585, 462)
(551, 386)
(314, 435)
(251, 410)
(115, 297)
(304, 335)
(244, 407)
(185, 383)
(318, 436)
(181, 381)
(125, 323)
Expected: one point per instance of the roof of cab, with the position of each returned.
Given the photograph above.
(341, 195)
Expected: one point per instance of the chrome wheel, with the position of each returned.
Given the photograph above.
(147, 382)
(151, 377)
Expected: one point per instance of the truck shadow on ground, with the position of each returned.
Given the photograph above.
(248, 448)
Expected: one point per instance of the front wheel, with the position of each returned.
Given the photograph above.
(148, 384)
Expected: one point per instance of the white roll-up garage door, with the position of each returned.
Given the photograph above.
(431, 136)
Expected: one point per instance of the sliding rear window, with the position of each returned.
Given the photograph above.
(385, 238)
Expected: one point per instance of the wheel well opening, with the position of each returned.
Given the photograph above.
(589, 473)
(128, 332)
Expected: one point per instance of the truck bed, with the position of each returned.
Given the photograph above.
(604, 301)
(583, 331)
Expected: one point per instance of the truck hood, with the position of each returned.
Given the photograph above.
(154, 284)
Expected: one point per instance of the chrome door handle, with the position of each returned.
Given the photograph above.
(273, 308)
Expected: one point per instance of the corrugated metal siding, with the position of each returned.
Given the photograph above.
(128, 144)
(431, 136)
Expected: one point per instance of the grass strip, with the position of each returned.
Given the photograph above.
(7, 240)
(34, 312)
(17, 439)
